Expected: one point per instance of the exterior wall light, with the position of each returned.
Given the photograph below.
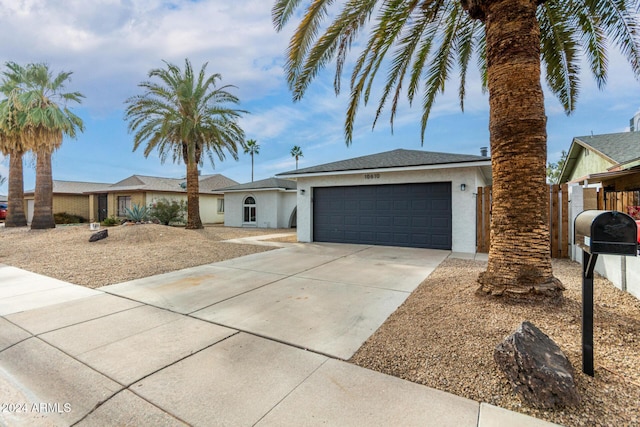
(463, 187)
(302, 191)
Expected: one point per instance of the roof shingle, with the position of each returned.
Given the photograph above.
(619, 147)
(389, 159)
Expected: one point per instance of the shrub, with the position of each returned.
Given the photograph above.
(137, 213)
(111, 221)
(67, 218)
(167, 212)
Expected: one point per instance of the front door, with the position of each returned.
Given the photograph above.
(102, 207)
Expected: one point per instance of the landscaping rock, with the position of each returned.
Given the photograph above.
(102, 234)
(536, 368)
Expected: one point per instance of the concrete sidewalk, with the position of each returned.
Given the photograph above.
(258, 340)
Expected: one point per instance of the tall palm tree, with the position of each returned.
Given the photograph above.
(11, 145)
(296, 152)
(185, 115)
(43, 119)
(252, 148)
(424, 41)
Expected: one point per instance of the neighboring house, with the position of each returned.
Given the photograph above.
(607, 164)
(268, 203)
(68, 196)
(3, 198)
(113, 200)
(612, 160)
(397, 198)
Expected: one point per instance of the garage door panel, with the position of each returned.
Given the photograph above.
(440, 222)
(401, 221)
(400, 239)
(384, 221)
(414, 215)
(420, 239)
(439, 240)
(419, 222)
(422, 204)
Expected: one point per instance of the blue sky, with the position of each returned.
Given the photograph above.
(110, 45)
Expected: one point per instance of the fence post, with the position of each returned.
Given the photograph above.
(565, 221)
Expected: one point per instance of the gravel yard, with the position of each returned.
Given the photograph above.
(130, 252)
(443, 335)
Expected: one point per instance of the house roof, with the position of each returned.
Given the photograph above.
(390, 159)
(72, 187)
(264, 184)
(619, 149)
(208, 184)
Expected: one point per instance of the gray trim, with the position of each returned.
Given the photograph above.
(263, 184)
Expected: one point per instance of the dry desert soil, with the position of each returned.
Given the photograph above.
(443, 336)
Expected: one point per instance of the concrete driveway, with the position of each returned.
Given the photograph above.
(328, 298)
(256, 340)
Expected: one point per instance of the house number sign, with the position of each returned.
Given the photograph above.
(371, 176)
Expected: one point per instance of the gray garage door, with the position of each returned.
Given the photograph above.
(412, 215)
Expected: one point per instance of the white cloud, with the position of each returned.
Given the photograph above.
(110, 45)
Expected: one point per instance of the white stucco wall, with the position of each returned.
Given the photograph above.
(287, 202)
(273, 208)
(463, 202)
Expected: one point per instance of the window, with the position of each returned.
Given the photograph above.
(249, 210)
(124, 203)
(220, 206)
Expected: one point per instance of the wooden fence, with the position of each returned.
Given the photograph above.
(558, 220)
(618, 200)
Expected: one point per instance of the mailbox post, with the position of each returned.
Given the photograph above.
(599, 232)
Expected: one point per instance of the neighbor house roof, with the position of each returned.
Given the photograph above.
(208, 184)
(619, 147)
(389, 160)
(72, 187)
(622, 150)
(264, 184)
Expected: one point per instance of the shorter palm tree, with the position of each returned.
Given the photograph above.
(2, 180)
(296, 152)
(252, 148)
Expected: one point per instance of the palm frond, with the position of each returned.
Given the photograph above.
(559, 50)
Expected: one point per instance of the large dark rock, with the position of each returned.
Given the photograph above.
(536, 368)
(102, 234)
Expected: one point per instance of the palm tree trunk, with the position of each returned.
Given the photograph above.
(519, 256)
(43, 203)
(193, 201)
(251, 167)
(15, 204)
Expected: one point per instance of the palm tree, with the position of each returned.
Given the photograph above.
(297, 153)
(43, 118)
(185, 115)
(11, 145)
(424, 41)
(252, 148)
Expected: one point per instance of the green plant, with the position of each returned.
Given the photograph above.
(137, 213)
(167, 212)
(66, 218)
(111, 221)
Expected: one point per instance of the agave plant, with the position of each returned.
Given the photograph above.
(137, 213)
